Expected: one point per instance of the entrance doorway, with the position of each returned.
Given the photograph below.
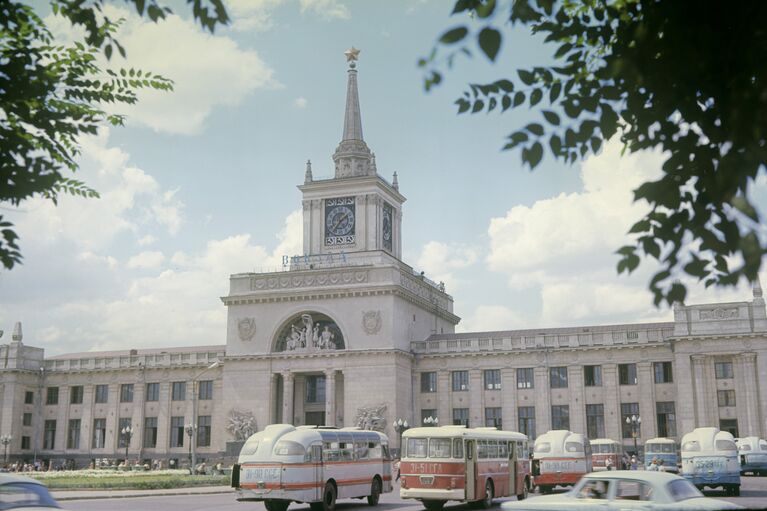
(314, 418)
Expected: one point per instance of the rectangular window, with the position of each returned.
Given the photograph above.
(315, 389)
(460, 380)
(558, 376)
(595, 421)
(627, 411)
(525, 378)
(725, 397)
(25, 443)
(203, 431)
(126, 393)
(627, 374)
(152, 391)
(560, 417)
(429, 382)
(76, 395)
(723, 370)
(49, 435)
(730, 426)
(205, 390)
(29, 397)
(102, 393)
(177, 432)
(526, 416)
(663, 372)
(178, 391)
(461, 417)
(150, 432)
(99, 433)
(123, 439)
(52, 396)
(666, 418)
(493, 417)
(493, 379)
(592, 377)
(73, 435)
(26, 419)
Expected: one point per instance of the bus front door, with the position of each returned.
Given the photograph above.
(513, 469)
(471, 470)
(319, 481)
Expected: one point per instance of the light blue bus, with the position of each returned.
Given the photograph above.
(753, 455)
(710, 460)
(661, 449)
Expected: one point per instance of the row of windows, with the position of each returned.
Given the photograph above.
(98, 441)
(560, 418)
(558, 377)
(101, 393)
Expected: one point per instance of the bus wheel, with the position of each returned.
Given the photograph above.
(523, 495)
(328, 498)
(276, 505)
(434, 505)
(375, 492)
(487, 502)
(736, 490)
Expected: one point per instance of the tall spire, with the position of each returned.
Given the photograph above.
(352, 156)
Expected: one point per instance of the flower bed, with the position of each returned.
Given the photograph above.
(109, 479)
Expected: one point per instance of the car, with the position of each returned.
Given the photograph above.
(625, 489)
(17, 492)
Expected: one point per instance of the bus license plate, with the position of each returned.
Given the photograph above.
(427, 480)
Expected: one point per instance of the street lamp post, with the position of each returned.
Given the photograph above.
(191, 431)
(6, 440)
(634, 422)
(431, 421)
(127, 433)
(400, 426)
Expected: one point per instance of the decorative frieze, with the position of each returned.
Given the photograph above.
(260, 283)
(719, 313)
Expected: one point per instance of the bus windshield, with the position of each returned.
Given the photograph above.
(417, 447)
(439, 447)
(660, 448)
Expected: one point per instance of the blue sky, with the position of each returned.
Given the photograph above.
(202, 183)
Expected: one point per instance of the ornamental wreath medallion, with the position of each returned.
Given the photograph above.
(246, 328)
(371, 322)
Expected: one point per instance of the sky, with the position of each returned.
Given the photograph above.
(201, 183)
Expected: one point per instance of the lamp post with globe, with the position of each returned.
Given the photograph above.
(634, 422)
(127, 433)
(400, 426)
(189, 428)
(6, 440)
(431, 421)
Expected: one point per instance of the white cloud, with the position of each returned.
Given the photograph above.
(486, 318)
(146, 260)
(440, 260)
(326, 9)
(301, 102)
(146, 240)
(252, 15)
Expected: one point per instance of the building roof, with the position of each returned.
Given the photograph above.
(138, 352)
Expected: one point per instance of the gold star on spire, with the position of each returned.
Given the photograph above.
(352, 54)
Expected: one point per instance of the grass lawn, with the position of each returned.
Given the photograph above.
(113, 480)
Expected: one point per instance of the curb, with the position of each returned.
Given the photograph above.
(151, 493)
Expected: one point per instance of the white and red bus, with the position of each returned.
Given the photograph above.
(463, 464)
(560, 458)
(310, 464)
(603, 449)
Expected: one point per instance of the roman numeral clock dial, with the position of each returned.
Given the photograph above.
(339, 221)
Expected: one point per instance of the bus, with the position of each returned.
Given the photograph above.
(560, 458)
(662, 449)
(603, 449)
(463, 464)
(753, 455)
(314, 465)
(710, 459)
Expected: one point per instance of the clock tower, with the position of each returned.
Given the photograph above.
(356, 214)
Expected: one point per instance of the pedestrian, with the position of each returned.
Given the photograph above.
(398, 470)
(633, 462)
(653, 466)
(609, 463)
(661, 468)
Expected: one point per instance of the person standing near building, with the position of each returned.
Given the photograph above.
(609, 464)
(633, 462)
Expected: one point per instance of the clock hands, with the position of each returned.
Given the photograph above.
(341, 218)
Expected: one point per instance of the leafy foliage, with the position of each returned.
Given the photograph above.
(51, 94)
(687, 79)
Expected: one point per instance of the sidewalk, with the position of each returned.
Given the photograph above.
(63, 495)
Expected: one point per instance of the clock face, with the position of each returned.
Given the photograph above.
(339, 221)
(386, 231)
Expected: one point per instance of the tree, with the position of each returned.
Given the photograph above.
(688, 79)
(51, 94)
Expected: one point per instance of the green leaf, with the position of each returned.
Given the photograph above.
(536, 96)
(534, 155)
(454, 35)
(535, 129)
(490, 42)
(519, 98)
(551, 117)
(526, 76)
(556, 88)
(505, 102)
(478, 105)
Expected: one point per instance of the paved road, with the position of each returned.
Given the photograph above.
(753, 494)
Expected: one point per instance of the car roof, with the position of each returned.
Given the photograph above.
(7, 478)
(637, 475)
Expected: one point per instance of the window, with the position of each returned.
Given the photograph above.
(666, 418)
(493, 417)
(76, 395)
(663, 372)
(460, 380)
(152, 391)
(426, 413)
(592, 376)
(203, 431)
(123, 440)
(49, 435)
(525, 378)
(26, 419)
(29, 397)
(25, 443)
(429, 382)
(595, 421)
(73, 434)
(725, 397)
(558, 377)
(493, 379)
(205, 390)
(126, 393)
(729, 425)
(315, 389)
(102, 393)
(526, 416)
(150, 432)
(177, 432)
(632, 490)
(723, 370)
(52, 396)
(560, 417)
(178, 391)
(99, 433)
(461, 417)
(627, 374)
(627, 410)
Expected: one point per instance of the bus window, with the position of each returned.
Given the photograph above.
(725, 445)
(416, 447)
(573, 447)
(481, 449)
(374, 448)
(288, 448)
(492, 449)
(669, 448)
(503, 450)
(385, 449)
(347, 451)
(439, 448)
(361, 450)
(457, 448)
(692, 445)
(543, 447)
(508, 450)
(316, 453)
(745, 447)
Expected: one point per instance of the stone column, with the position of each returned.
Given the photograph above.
(577, 402)
(701, 398)
(330, 397)
(746, 395)
(476, 403)
(613, 426)
(647, 410)
(273, 415)
(509, 400)
(287, 397)
(685, 401)
(543, 403)
(444, 397)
